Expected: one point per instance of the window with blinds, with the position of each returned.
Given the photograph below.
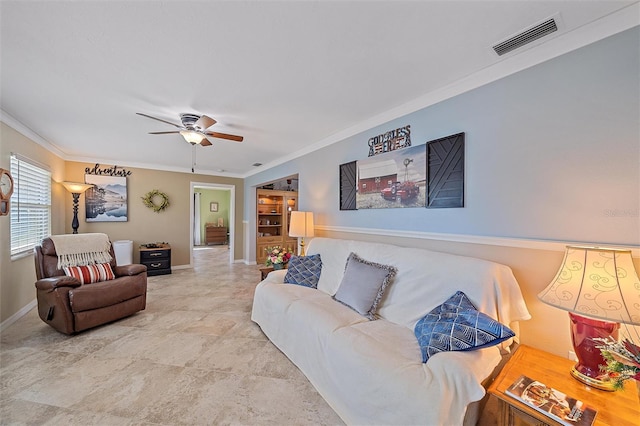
(30, 205)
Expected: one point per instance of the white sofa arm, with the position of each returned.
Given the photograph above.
(461, 373)
(276, 276)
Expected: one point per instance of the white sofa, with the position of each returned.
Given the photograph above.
(371, 372)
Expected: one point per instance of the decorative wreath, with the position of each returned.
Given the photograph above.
(149, 198)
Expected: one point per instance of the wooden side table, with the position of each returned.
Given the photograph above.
(264, 271)
(614, 408)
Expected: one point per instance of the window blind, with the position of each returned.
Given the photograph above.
(30, 205)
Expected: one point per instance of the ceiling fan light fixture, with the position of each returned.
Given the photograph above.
(194, 129)
(192, 137)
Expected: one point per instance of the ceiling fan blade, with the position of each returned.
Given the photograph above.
(159, 119)
(225, 136)
(205, 122)
(205, 142)
(164, 133)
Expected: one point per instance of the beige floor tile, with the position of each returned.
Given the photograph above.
(213, 324)
(20, 412)
(82, 418)
(73, 382)
(24, 367)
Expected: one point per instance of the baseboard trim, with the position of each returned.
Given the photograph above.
(15, 317)
(178, 267)
(474, 239)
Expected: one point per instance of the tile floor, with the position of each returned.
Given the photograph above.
(193, 357)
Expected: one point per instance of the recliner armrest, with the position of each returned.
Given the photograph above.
(133, 269)
(54, 282)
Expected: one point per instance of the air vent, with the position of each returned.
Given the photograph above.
(547, 27)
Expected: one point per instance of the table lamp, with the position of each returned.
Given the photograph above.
(301, 226)
(76, 188)
(600, 288)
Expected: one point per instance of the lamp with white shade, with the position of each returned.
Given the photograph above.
(76, 188)
(301, 225)
(600, 288)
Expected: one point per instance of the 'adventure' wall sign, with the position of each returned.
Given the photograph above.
(107, 171)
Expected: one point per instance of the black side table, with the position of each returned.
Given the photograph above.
(157, 258)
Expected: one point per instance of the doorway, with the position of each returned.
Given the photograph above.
(231, 191)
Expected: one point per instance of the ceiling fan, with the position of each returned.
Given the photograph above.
(194, 129)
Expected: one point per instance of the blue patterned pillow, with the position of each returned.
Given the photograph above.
(457, 325)
(304, 270)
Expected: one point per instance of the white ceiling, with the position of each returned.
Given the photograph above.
(288, 76)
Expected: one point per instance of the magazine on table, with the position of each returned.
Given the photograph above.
(551, 402)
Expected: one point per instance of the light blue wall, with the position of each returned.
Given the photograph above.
(552, 153)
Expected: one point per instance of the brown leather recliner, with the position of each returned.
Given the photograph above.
(70, 307)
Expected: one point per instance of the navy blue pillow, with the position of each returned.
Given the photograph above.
(304, 270)
(456, 325)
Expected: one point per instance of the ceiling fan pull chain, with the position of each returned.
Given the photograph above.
(193, 158)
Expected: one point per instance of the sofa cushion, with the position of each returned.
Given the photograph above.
(363, 285)
(304, 270)
(87, 274)
(456, 325)
(334, 257)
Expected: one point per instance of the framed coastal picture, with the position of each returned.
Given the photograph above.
(107, 200)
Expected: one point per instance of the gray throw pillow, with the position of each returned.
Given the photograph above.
(363, 285)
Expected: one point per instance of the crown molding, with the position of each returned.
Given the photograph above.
(161, 167)
(16, 125)
(604, 27)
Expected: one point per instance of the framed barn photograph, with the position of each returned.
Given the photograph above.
(393, 180)
(107, 200)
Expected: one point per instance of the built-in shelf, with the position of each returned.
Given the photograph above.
(274, 206)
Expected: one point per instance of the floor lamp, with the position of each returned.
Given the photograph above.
(76, 189)
(301, 226)
(600, 288)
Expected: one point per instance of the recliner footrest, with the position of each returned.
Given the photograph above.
(107, 293)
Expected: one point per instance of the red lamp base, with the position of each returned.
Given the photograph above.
(583, 331)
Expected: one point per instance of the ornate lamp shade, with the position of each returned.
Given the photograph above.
(301, 225)
(596, 282)
(76, 187)
(600, 288)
